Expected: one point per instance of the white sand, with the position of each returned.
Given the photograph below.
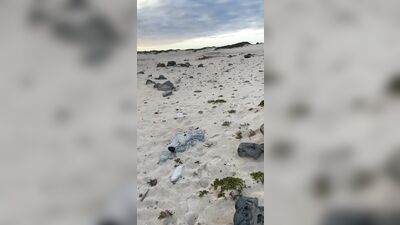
(219, 160)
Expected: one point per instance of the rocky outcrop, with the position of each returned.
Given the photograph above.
(248, 212)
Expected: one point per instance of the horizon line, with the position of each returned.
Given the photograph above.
(187, 49)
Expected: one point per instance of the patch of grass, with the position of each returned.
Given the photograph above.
(226, 124)
(164, 214)
(178, 162)
(229, 184)
(202, 193)
(258, 176)
(237, 45)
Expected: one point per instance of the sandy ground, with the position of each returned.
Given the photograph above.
(335, 60)
(241, 84)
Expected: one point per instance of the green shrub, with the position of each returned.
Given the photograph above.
(229, 184)
(202, 193)
(258, 176)
(164, 214)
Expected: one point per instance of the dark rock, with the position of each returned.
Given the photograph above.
(393, 86)
(167, 93)
(282, 148)
(77, 4)
(322, 185)
(161, 77)
(200, 65)
(149, 82)
(171, 149)
(166, 86)
(299, 110)
(226, 124)
(253, 150)
(351, 217)
(152, 182)
(184, 64)
(108, 222)
(261, 103)
(270, 78)
(262, 129)
(248, 212)
(171, 63)
(248, 56)
(392, 167)
(160, 64)
(361, 179)
(391, 218)
(141, 72)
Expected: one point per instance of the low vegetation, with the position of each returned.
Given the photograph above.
(237, 45)
(178, 162)
(202, 193)
(164, 214)
(229, 184)
(258, 176)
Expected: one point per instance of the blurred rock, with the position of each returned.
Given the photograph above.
(393, 85)
(392, 167)
(351, 217)
(281, 148)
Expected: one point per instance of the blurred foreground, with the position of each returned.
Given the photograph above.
(332, 87)
(67, 140)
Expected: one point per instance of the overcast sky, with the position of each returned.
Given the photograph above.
(170, 24)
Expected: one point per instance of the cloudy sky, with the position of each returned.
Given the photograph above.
(171, 24)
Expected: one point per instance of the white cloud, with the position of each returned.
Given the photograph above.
(147, 3)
